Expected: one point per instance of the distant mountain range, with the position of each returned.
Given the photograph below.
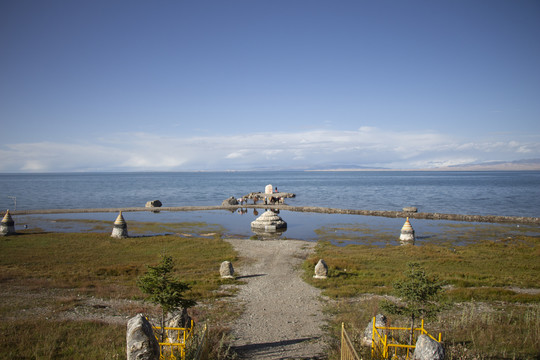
(526, 164)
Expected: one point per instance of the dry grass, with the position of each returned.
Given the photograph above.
(68, 295)
(492, 292)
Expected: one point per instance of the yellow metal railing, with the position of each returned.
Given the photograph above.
(175, 342)
(347, 349)
(381, 345)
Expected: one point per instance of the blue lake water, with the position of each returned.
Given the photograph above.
(483, 193)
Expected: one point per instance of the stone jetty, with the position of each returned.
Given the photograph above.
(311, 209)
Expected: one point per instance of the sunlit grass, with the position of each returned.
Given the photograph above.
(43, 276)
(492, 292)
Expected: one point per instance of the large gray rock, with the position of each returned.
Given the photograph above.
(321, 270)
(410, 209)
(428, 349)
(178, 320)
(226, 270)
(153, 203)
(380, 320)
(230, 201)
(140, 339)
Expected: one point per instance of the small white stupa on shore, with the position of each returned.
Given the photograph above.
(119, 228)
(407, 234)
(7, 226)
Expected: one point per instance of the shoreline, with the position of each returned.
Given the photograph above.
(312, 209)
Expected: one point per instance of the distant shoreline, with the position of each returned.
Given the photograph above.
(313, 209)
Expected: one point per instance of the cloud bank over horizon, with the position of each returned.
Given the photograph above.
(368, 147)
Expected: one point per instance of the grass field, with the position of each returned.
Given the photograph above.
(492, 292)
(69, 295)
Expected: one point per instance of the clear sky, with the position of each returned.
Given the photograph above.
(234, 85)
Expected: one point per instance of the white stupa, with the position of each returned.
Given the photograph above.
(119, 227)
(407, 233)
(268, 222)
(7, 226)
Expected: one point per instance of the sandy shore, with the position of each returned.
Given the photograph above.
(283, 314)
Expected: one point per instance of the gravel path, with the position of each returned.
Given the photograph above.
(283, 315)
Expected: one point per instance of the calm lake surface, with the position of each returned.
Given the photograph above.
(482, 193)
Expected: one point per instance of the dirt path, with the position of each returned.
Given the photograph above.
(283, 315)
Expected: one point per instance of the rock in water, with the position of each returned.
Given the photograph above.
(428, 349)
(140, 339)
(380, 320)
(153, 203)
(226, 270)
(230, 201)
(321, 270)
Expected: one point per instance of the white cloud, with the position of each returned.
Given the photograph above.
(367, 146)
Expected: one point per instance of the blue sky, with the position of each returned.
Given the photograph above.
(237, 85)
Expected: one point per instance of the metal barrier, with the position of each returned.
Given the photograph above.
(176, 344)
(347, 349)
(381, 346)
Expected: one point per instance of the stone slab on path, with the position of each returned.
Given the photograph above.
(283, 314)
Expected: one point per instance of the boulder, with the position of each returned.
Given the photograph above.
(140, 339)
(321, 270)
(153, 203)
(226, 270)
(428, 349)
(230, 201)
(411, 209)
(380, 320)
(178, 320)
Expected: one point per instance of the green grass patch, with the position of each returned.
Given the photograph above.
(108, 266)
(29, 339)
(45, 275)
(357, 269)
(493, 302)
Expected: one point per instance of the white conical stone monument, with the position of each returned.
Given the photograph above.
(7, 226)
(119, 228)
(407, 233)
(269, 222)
